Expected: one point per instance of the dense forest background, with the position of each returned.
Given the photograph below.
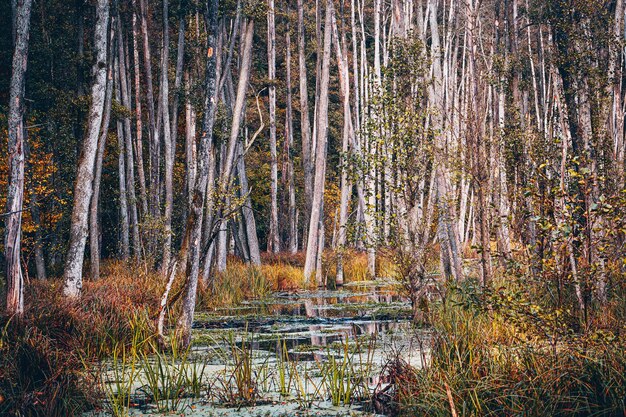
(492, 125)
(495, 127)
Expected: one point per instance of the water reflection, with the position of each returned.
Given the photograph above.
(307, 323)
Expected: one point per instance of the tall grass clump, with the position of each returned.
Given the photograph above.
(41, 374)
(49, 358)
(345, 372)
(496, 352)
(237, 283)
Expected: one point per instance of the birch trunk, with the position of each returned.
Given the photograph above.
(447, 224)
(153, 206)
(83, 190)
(16, 132)
(138, 114)
(167, 142)
(273, 243)
(130, 168)
(94, 226)
(347, 138)
(193, 232)
(316, 221)
(305, 124)
(288, 174)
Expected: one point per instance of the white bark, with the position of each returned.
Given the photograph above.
(73, 274)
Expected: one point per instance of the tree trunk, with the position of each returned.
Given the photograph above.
(190, 141)
(448, 222)
(348, 137)
(247, 212)
(288, 174)
(16, 131)
(477, 149)
(317, 215)
(305, 124)
(94, 224)
(130, 167)
(153, 207)
(73, 274)
(124, 233)
(138, 117)
(168, 145)
(273, 243)
(194, 223)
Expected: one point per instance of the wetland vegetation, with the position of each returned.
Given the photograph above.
(313, 208)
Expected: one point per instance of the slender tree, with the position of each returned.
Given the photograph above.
(274, 236)
(314, 246)
(83, 190)
(193, 232)
(15, 194)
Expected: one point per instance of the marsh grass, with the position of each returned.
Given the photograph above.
(238, 384)
(346, 371)
(499, 353)
(166, 376)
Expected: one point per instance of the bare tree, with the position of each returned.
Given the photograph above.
(193, 231)
(273, 243)
(83, 190)
(316, 224)
(15, 194)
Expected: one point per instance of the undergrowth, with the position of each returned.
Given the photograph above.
(499, 352)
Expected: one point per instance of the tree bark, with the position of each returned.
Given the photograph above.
(348, 138)
(153, 206)
(121, 164)
(196, 210)
(83, 190)
(138, 114)
(167, 141)
(16, 132)
(94, 224)
(128, 145)
(316, 224)
(273, 243)
(288, 174)
(305, 124)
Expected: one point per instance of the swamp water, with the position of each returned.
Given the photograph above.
(310, 353)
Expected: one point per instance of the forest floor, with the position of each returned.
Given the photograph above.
(265, 345)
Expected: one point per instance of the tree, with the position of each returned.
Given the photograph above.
(315, 244)
(193, 231)
(274, 235)
(83, 190)
(16, 131)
